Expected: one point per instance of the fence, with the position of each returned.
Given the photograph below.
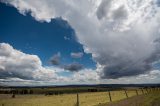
(143, 91)
(81, 99)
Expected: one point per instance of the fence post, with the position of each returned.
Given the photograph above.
(110, 96)
(147, 91)
(136, 92)
(126, 93)
(157, 88)
(77, 99)
(142, 91)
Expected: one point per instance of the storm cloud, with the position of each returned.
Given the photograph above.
(121, 35)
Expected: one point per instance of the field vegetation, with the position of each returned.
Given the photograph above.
(68, 99)
(150, 99)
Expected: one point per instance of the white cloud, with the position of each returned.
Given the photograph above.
(66, 38)
(76, 54)
(86, 76)
(121, 34)
(15, 63)
(18, 68)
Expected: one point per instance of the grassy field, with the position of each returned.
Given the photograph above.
(150, 99)
(85, 99)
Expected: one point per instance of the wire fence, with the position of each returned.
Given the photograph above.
(81, 99)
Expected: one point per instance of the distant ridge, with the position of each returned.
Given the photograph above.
(87, 85)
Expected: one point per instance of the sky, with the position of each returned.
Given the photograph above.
(57, 42)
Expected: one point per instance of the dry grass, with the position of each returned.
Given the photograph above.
(86, 99)
(150, 99)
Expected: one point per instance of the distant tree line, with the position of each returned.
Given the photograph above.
(23, 91)
(54, 93)
(59, 91)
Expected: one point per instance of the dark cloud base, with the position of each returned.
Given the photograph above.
(74, 67)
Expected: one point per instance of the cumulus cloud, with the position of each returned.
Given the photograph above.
(74, 67)
(121, 35)
(16, 64)
(55, 59)
(86, 75)
(77, 55)
(18, 68)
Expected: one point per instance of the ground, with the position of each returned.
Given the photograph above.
(151, 99)
(85, 99)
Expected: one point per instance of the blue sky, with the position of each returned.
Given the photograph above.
(41, 38)
(77, 42)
